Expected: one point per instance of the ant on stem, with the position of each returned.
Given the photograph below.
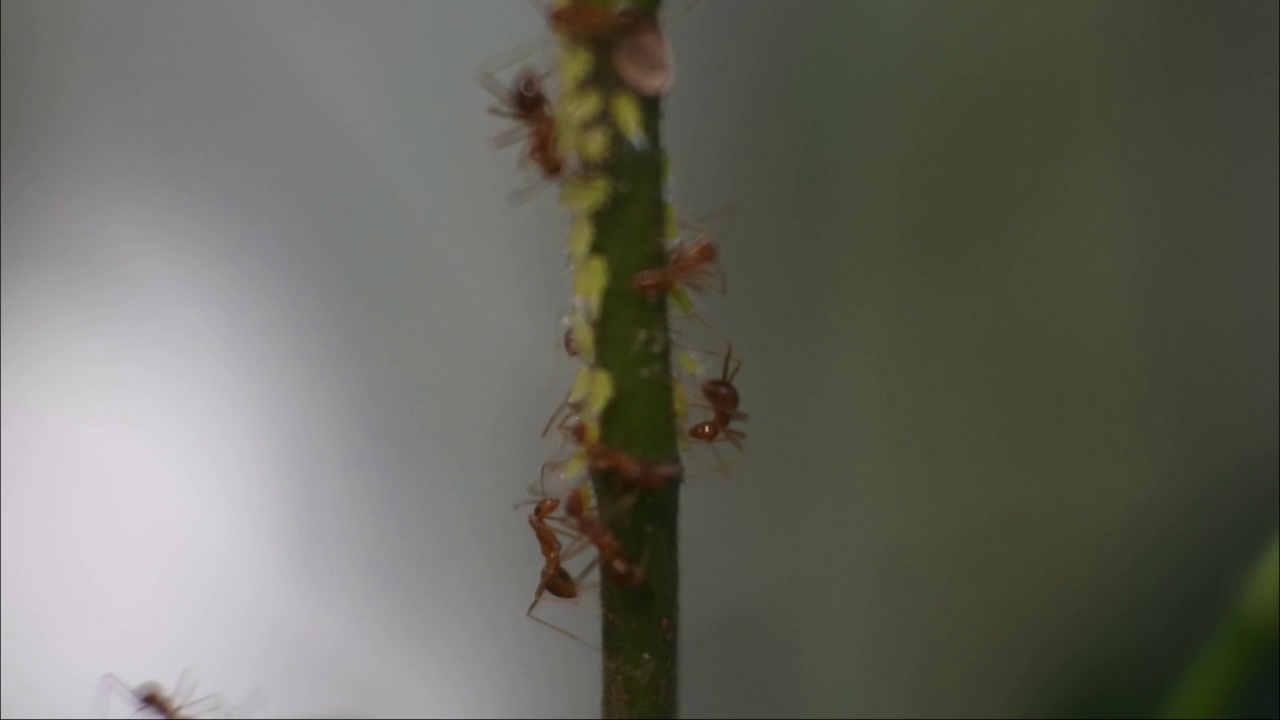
(599, 457)
(555, 579)
(690, 264)
(722, 398)
(612, 560)
(526, 102)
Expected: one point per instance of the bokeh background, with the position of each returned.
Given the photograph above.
(277, 350)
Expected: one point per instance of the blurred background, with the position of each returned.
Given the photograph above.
(277, 350)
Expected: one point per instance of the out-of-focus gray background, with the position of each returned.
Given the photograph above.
(276, 352)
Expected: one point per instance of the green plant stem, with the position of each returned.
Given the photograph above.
(1212, 684)
(632, 344)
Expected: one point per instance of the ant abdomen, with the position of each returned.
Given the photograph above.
(705, 431)
(561, 584)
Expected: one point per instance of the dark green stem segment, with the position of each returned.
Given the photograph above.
(632, 343)
(1212, 685)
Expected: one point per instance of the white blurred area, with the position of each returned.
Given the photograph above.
(246, 429)
(143, 517)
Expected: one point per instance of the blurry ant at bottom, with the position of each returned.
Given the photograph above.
(150, 700)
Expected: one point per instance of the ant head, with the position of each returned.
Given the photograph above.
(545, 507)
(720, 393)
(705, 431)
(527, 96)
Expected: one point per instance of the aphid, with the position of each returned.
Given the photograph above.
(527, 103)
(576, 342)
(555, 579)
(591, 392)
(150, 697)
(691, 264)
(644, 61)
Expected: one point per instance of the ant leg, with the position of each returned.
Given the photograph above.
(258, 697)
(564, 405)
(557, 349)
(687, 9)
(595, 562)
(182, 689)
(509, 137)
(106, 685)
(735, 438)
(720, 463)
(529, 613)
(705, 323)
(529, 190)
(738, 415)
(721, 282)
(711, 223)
(485, 75)
(582, 544)
(206, 704)
(503, 110)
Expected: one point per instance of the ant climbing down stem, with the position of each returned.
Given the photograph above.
(555, 580)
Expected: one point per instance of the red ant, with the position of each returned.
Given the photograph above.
(612, 560)
(149, 696)
(600, 457)
(527, 103)
(692, 263)
(722, 395)
(555, 579)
